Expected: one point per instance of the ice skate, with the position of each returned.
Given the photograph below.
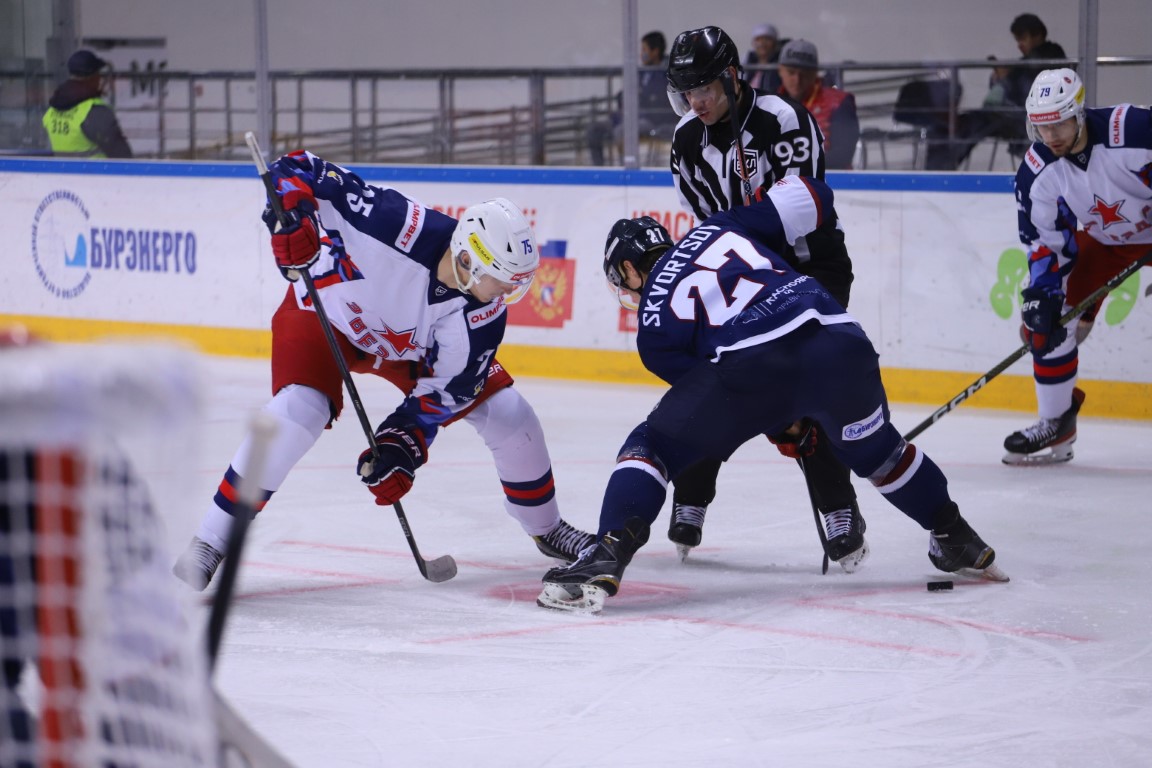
(1048, 441)
(686, 528)
(844, 530)
(564, 542)
(953, 547)
(198, 563)
(583, 586)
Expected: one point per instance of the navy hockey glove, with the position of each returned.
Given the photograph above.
(402, 452)
(800, 445)
(296, 245)
(1040, 312)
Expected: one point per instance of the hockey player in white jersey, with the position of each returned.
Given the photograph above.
(418, 298)
(1084, 198)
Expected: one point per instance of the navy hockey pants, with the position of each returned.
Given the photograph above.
(828, 373)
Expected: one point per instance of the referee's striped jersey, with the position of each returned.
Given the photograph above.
(780, 138)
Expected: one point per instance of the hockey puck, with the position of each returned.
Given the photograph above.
(939, 586)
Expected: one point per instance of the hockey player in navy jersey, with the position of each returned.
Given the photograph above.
(418, 298)
(750, 347)
(1084, 195)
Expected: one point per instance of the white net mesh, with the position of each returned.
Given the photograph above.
(101, 665)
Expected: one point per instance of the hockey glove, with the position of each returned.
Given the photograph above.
(800, 445)
(1040, 312)
(402, 452)
(296, 245)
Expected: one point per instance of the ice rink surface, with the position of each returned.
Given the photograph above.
(341, 655)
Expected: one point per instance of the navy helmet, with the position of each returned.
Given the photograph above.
(631, 240)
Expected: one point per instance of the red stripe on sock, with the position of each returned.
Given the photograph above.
(530, 493)
(228, 491)
(1051, 371)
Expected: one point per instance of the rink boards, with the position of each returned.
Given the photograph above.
(99, 248)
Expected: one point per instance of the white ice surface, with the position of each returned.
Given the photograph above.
(341, 655)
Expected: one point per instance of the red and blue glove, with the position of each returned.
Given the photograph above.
(1040, 312)
(800, 445)
(402, 451)
(295, 241)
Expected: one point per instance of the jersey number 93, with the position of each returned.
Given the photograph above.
(794, 151)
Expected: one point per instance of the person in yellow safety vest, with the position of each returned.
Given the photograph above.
(78, 121)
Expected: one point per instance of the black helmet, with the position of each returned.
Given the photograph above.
(700, 56)
(631, 240)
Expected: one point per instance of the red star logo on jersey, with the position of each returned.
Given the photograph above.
(1109, 213)
(400, 341)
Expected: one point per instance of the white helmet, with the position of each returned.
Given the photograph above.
(499, 242)
(1056, 96)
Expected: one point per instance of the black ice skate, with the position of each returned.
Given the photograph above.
(844, 529)
(583, 586)
(953, 547)
(197, 564)
(564, 542)
(685, 528)
(1048, 441)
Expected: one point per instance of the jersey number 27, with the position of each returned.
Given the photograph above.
(703, 288)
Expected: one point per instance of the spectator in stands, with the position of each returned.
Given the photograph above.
(833, 109)
(766, 47)
(656, 119)
(1032, 39)
(78, 121)
(1002, 113)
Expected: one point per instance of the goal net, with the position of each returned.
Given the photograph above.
(101, 664)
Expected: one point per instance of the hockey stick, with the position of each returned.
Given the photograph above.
(737, 138)
(1003, 365)
(815, 513)
(238, 743)
(262, 430)
(442, 568)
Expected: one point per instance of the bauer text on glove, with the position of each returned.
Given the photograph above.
(1040, 312)
(402, 451)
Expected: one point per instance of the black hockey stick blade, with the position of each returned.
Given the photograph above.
(1022, 350)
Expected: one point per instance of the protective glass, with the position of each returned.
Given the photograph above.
(681, 101)
(519, 286)
(520, 290)
(705, 95)
(1063, 132)
(486, 286)
(620, 291)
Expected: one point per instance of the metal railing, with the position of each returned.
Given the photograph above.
(500, 117)
(482, 117)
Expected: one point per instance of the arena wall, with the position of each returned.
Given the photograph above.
(98, 249)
